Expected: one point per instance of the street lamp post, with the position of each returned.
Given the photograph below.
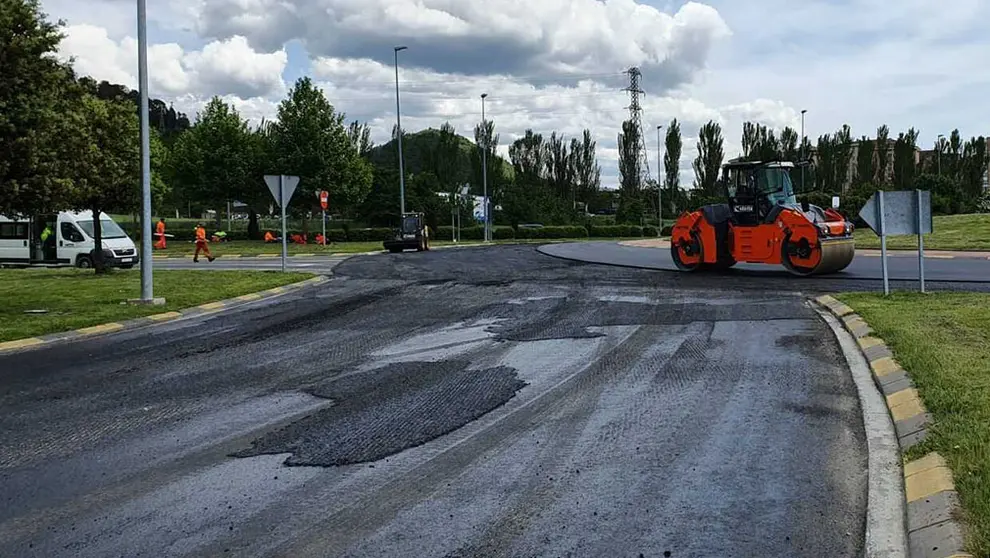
(660, 181)
(484, 168)
(803, 156)
(398, 123)
(147, 285)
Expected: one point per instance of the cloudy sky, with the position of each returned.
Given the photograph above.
(558, 64)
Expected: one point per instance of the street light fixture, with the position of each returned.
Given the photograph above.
(398, 124)
(660, 181)
(484, 168)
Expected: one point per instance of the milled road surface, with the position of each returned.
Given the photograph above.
(458, 403)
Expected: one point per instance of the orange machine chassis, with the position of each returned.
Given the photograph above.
(708, 238)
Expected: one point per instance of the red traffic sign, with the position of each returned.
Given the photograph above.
(324, 196)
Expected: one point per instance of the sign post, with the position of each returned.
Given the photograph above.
(324, 203)
(903, 212)
(282, 187)
(464, 193)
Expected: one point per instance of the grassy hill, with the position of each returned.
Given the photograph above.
(417, 149)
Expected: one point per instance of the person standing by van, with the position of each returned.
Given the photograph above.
(160, 232)
(201, 244)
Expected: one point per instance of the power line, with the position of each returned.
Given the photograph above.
(487, 79)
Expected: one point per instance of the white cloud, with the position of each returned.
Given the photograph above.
(228, 67)
(483, 36)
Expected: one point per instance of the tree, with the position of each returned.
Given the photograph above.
(630, 199)
(843, 145)
(865, 161)
(587, 172)
(309, 140)
(904, 162)
(973, 168)
(825, 166)
(446, 159)
(217, 161)
(672, 163)
(39, 101)
(709, 159)
(560, 168)
(360, 136)
(108, 167)
(528, 155)
(883, 156)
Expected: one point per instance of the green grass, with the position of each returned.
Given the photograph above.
(254, 247)
(179, 248)
(952, 232)
(80, 298)
(943, 341)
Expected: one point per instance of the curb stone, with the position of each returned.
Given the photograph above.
(931, 500)
(155, 319)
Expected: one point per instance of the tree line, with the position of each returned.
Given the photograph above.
(954, 171)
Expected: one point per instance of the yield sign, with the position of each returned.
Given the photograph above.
(289, 184)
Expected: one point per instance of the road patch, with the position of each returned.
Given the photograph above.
(380, 412)
(932, 504)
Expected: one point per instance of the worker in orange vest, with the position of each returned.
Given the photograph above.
(201, 244)
(160, 232)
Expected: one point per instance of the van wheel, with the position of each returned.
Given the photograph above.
(84, 262)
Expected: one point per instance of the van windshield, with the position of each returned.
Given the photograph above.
(108, 228)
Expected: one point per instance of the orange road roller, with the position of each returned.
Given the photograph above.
(762, 223)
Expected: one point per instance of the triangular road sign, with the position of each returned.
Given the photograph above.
(288, 182)
(869, 213)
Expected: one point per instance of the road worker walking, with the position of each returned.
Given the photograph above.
(201, 244)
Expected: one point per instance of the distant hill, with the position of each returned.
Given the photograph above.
(416, 154)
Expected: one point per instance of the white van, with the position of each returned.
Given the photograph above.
(70, 242)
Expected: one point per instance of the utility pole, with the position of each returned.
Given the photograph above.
(147, 285)
(803, 155)
(398, 124)
(484, 167)
(660, 183)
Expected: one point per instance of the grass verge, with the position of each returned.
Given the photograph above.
(943, 341)
(255, 247)
(952, 232)
(80, 298)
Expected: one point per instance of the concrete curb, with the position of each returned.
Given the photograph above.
(931, 501)
(155, 319)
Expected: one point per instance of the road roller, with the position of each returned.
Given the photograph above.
(762, 223)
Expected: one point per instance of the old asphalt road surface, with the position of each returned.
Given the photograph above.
(459, 403)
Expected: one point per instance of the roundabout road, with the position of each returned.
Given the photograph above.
(901, 267)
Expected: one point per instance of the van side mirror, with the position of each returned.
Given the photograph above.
(805, 206)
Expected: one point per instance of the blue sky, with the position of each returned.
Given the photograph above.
(557, 65)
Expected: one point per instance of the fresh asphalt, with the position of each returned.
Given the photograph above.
(900, 267)
(458, 403)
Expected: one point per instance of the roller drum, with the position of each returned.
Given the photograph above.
(836, 255)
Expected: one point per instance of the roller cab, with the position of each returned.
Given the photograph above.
(762, 222)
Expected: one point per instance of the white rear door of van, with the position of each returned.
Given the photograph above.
(14, 242)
